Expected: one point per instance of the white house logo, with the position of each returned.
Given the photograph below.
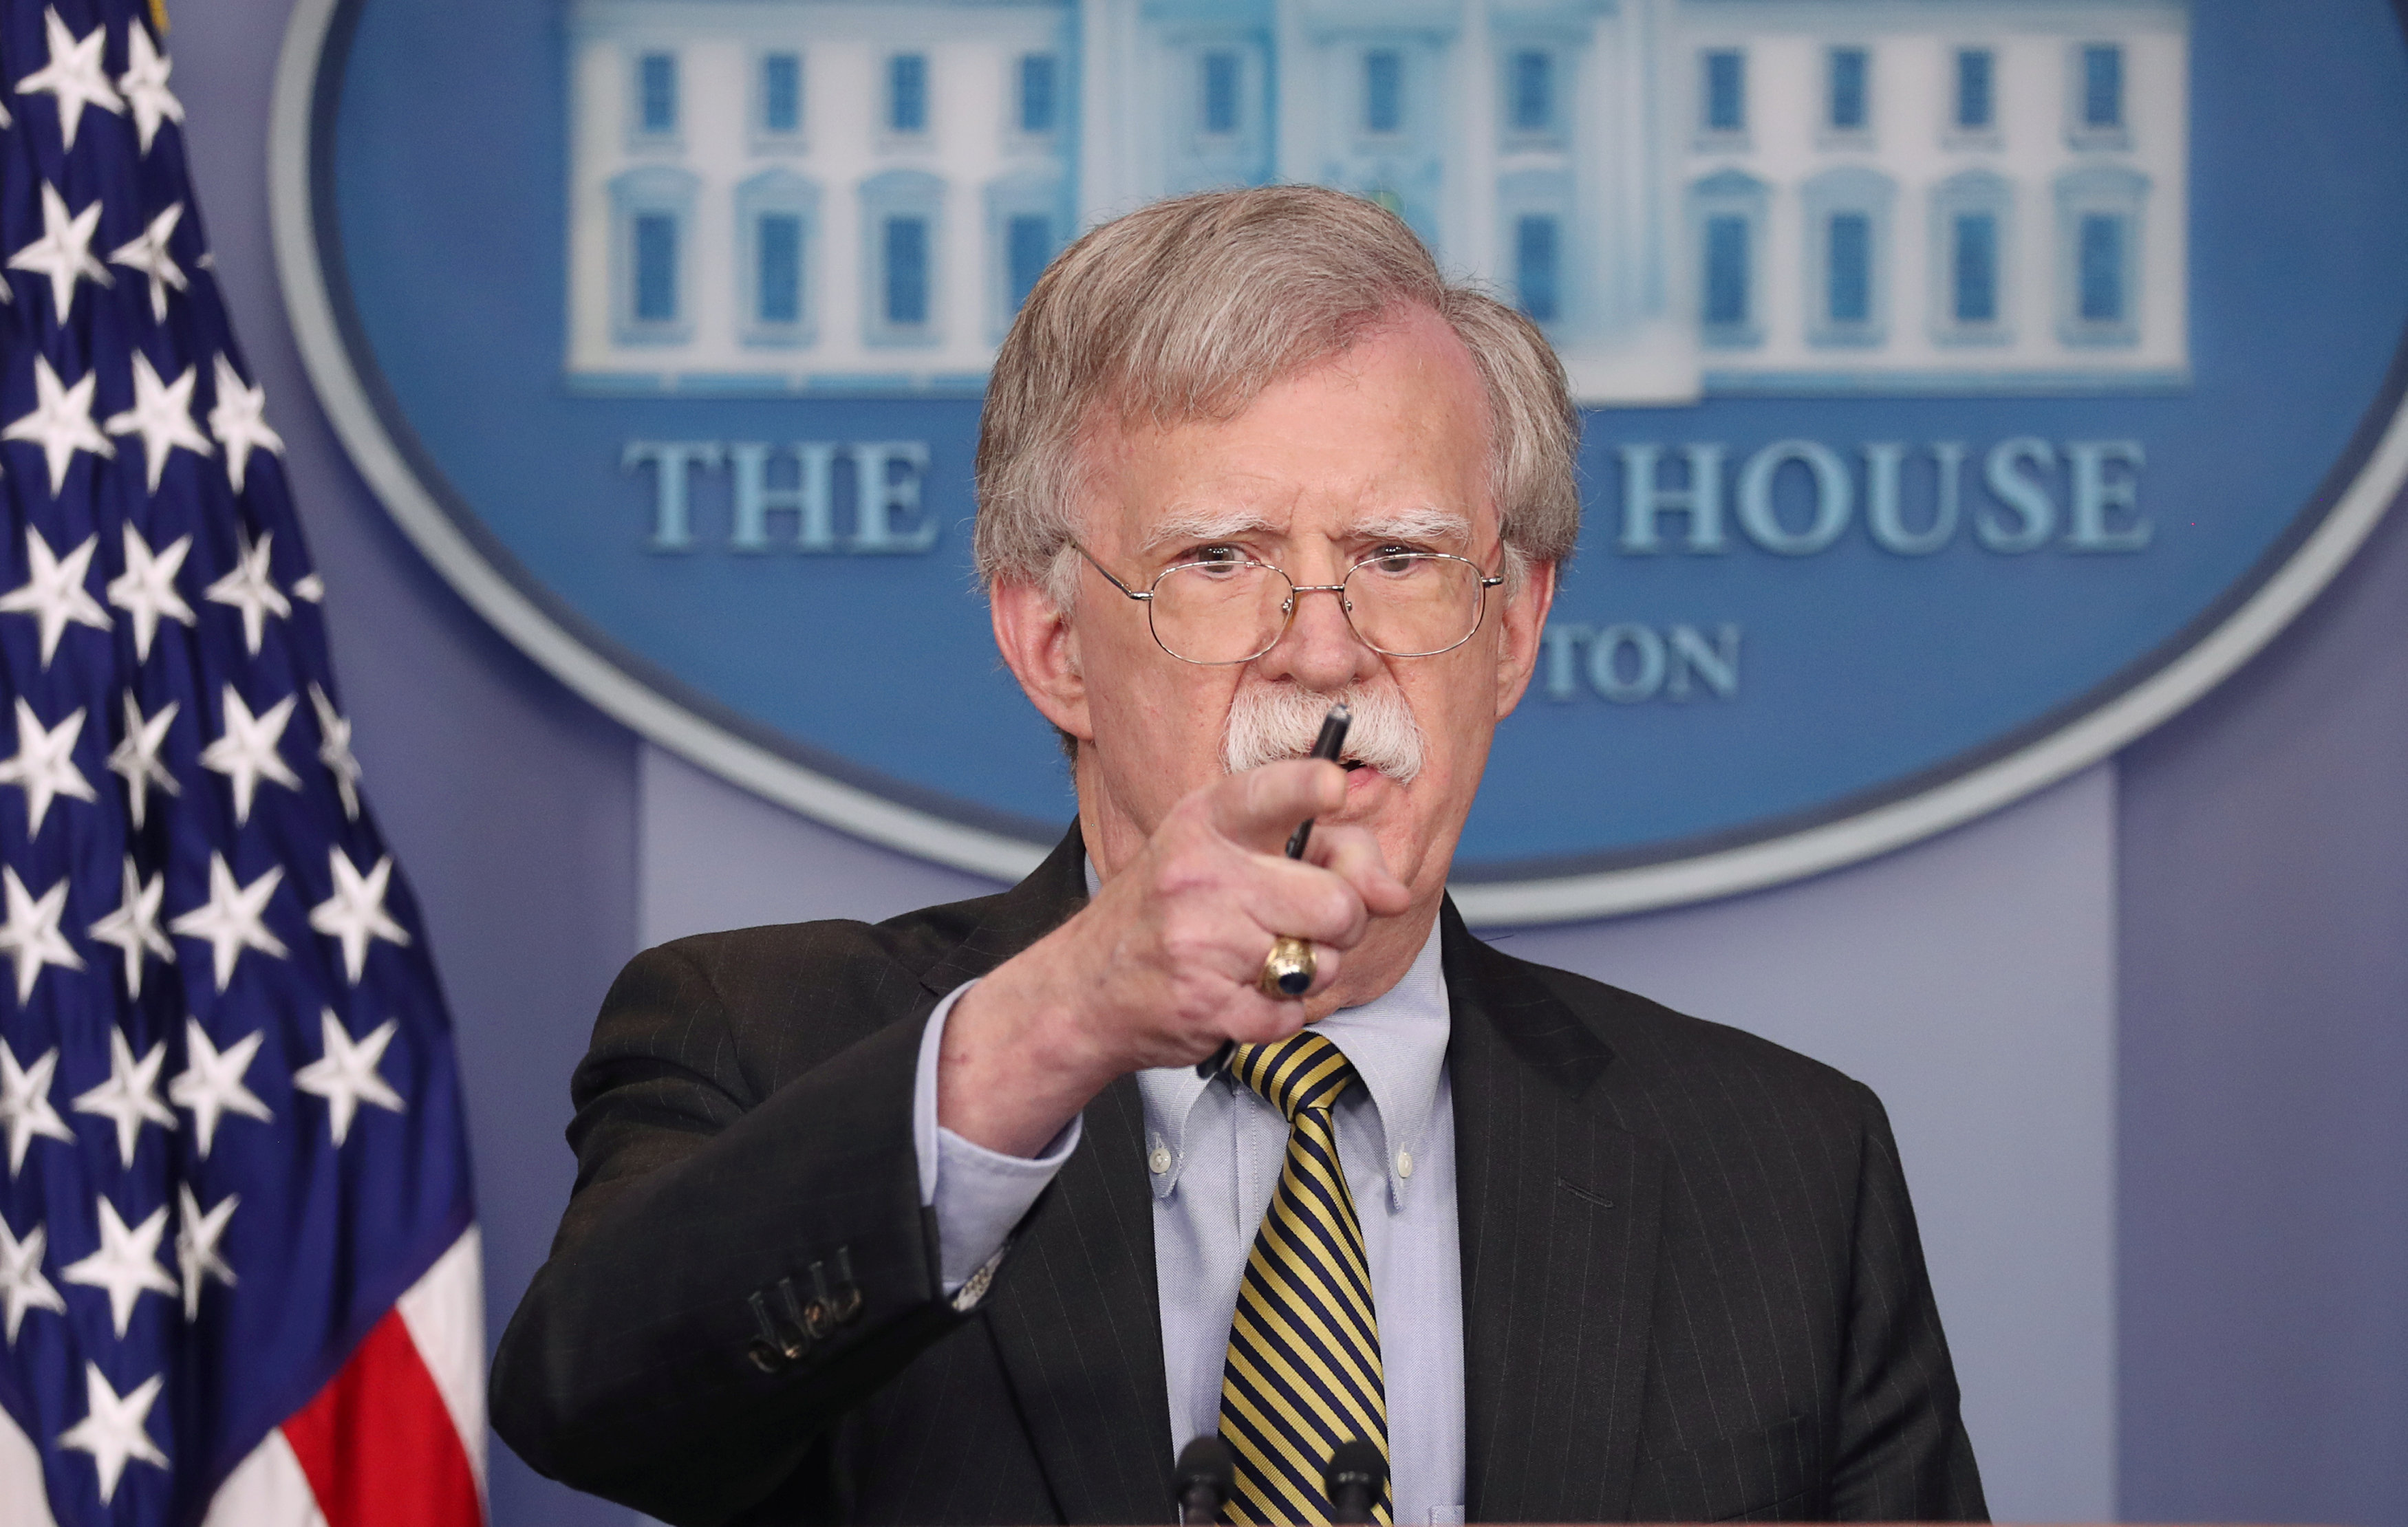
(1972, 383)
(1704, 198)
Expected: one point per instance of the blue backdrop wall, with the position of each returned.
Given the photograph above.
(2146, 1036)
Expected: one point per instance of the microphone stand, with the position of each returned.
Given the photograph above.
(1206, 1475)
(1353, 1479)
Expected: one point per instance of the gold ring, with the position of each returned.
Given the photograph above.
(1287, 969)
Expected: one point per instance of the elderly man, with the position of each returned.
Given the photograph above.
(942, 1220)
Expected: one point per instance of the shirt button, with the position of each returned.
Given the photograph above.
(1160, 1161)
(1404, 1163)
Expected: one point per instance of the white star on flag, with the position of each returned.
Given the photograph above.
(239, 420)
(130, 1097)
(147, 252)
(211, 1084)
(249, 589)
(334, 752)
(44, 764)
(53, 592)
(31, 935)
(23, 1287)
(63, 252)
(145, 85)
(113, 1429)
(229, 922)
(347, 1075)
(246, 753)
(147, 588)
(75, 77)
(312, 586)
(196, 1244)
(136, 758)
(355, 912)
(25, 1104)
(163, 416)
(61, 422)
(134, 927)
(126, 1264)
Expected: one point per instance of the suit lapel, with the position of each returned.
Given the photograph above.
(1073, 1314)
(1558, 1214)
(1078, 1325)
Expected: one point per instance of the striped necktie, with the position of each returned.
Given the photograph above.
(1303, 1372)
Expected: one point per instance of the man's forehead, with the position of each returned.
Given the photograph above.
(1395, 425)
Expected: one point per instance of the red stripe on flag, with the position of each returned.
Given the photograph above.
(377, 1444)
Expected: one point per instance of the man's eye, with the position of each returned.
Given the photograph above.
(1216, 553)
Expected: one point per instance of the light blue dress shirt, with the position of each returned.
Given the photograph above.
(1213, 1151)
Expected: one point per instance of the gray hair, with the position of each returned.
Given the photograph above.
(1187, 308)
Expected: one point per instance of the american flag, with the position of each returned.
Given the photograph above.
(239, 1271)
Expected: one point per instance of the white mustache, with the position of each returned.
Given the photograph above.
(1268, 723)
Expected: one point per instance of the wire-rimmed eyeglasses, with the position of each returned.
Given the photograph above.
(1400, 603)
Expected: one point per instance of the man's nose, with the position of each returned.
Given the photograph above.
(1320, 649)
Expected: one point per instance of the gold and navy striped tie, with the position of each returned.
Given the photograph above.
(1303, 1373)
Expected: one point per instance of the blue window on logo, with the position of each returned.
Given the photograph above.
(1849, 68)
(1220, 94)
(906, 93)
(1849, 271)
(1533, 92)
(1536, 256)
(779, 268)
(1726, 91)
(2100, 257)
(781, 93)
(907, 271)
(2102, 86)
(1383, 90)
(656, 84)
(1975, 283)
(1036, 81)
(1029, 246)
(1725, 271)
(1975, 76)
(657, 272)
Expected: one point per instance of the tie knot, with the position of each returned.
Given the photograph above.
(1305, 1070)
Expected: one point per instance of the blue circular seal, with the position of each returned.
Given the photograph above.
(1969, 384)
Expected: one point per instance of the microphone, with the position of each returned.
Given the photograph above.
(1205, 1476)
(1355, 1473)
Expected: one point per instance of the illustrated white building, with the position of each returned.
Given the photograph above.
(1693, 197)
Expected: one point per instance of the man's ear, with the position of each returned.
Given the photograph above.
(1520, 621)
(1041, 649)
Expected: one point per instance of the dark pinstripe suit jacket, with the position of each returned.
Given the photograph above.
(1692, 1285)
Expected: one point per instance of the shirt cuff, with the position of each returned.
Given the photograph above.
(979, 1194)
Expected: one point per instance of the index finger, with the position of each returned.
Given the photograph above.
(1259, 809)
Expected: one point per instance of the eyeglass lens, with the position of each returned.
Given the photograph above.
(1411, 604)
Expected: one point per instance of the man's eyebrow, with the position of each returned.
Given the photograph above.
(1205, 524)
(1421, 525)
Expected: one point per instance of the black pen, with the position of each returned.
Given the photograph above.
(1325, 747)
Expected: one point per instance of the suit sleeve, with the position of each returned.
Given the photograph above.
(741, 1262)
(1902, 1453)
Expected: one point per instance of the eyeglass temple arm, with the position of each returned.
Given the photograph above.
(1107, 574)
